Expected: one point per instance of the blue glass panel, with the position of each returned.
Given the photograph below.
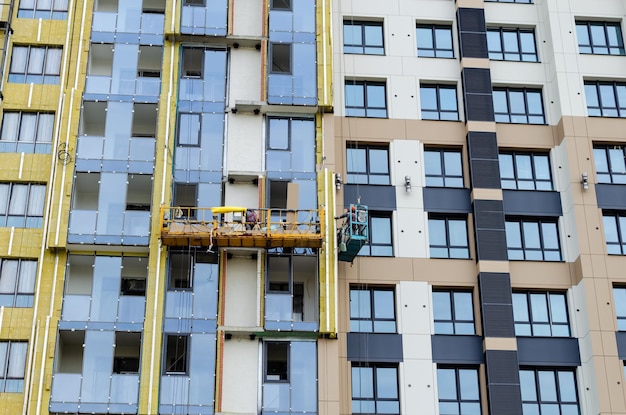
(98, 84)
(278, 307)
(83, 222)
(142, 149)
(174, 390)
(124, 388)
(111, 203)
(276, 396)
(202, 369)
(129, 16)
(205, 291)
(76, 307)
(131, 309)
(303, 366)
(65, 387)
(124, 73)
(104, 22)
(117, 129)
(90, 147)
(178, 304)
(152, 23)
(136, 223)
(97, 364)
(106, 286)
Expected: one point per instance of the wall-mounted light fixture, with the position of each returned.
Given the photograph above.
(585, 181)
(407, 183)
(338, 181)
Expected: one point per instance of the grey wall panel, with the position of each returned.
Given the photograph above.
(495, 288)
(472, 33)
(482, 145)
(485, 174)
(498, 320)
(457, 349)
(476, 81)
(496, 304)
(611, 196)
(548, 351)
(502, 366)
(471, 20)
(375, 197)
(473, 45)
(488, 214)
(621, 344)
(374, 347)
(491, 245)
(505, 399)
(479, 107)
(532, 203)
(447, 200)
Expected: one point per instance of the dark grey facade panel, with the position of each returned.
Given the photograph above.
(611, 196)
(498, 320)
(502, 366)
(485, 219)
(532, 203)
(447, 200)
(457, 349)
(473, 45)
(488, 205)
(621, 344)
(485, 174)
(479, 107)
(471, 20)
(482, 145)
(375, 197)
(548, 351)
(504, 399)
(476, 81)
(491, 245)
(495, 288)
(374, 347)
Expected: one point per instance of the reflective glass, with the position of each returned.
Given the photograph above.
(303, 368)
(547, 386)
(527, 384)
(446, 384)
(201, 369)
(442, 308)
(387, 383)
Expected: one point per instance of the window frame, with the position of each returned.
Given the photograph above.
(440, 110)
(532, 322)
(615, 175)
(591, 47)
(375, 398)
(520, 221)
(364, 46)
(38, 146)
(620, 312)
(43, 77)
(266, 347)
(601, 110)
(16, 294)
(371, 292)
(459, 401)
(52, 13)
(273, 52)
(274, 6)
(502, 51)
(619, 218)
(443, 167)
(368, 174)
(516, 179)
(450, 306)
(383, 250)
(4, 375)
(367, 110)
(511, 1)
(448, 53)
(557, 387)
(447, 218)
(179, 134)
(187, 346)
(511, 118)
(5, 211)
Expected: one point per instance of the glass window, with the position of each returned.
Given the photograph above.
(17, 282)
(610, 163)
(615, 232)
(280, 5)
(28, 132)
(277, 361)
(380, 237)
(366, 99)
(525, 171)
(375, 389)
(281, 58)
(434, 41)
(372, 310)
(447, 237)
(600, 38)
(533, 239)
(365, 38)
(518, 105)
(36, 64)
(619, 294)
(453, 312)
(42, 9)
(21, 204)
(189, 129)
(548, 391)
(367, 164)
(176, 353)
(540, 314)
(512, 44)
(443, 168)
(605, 99)
(458, 389)
(439, 102)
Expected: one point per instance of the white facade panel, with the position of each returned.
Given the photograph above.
(419, 394)
(241, 302)
(245, 68)
(414, 305)
(245, 148)
(240, 376)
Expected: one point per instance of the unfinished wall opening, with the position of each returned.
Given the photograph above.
(144, 120)
(86, 191)
(100, 59)
(139, 192)
(149, 64)
(134, 276)
(127, 352)
(153, 6)
(92, 120)
(109, 6)
(176, 353)
(69, 355)
(192, 62)
(79, 280)
(278, 194)
(278, 270)
(281, 58)
(181, 266)
(185, 197)
(277, 361)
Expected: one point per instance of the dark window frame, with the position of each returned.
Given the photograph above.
(526, 251)
(620, 313)
(534, 180)
(375, 398)
(362, 24)
(184, 72)
(274, 67)
(557, 389)
(620, 230)
(180, 122)
(459, 401)
(603, 109)
(532, 322)
(439, 111)
(613, 174)
(512, 117)
(371, 244)
(17, 132)
(437, 51)
(506, 55)
(286, 5)
(194, 3)
(174, 368)
(52, 13)
(16, 296)
(266, 367)
(444, 176)
(4, 376)
(6, 215)
(368, 173)
(371, 293)
(52, 78)
(367, 108)
(595, 49)
(455, 321)
(446, 218)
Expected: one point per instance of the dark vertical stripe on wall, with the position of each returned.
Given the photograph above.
(497, 304)
(472, 33)
(483, 160)
(503, 382)
(477, 94)
(490, 232)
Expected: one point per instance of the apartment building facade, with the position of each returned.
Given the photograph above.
(174, 175)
